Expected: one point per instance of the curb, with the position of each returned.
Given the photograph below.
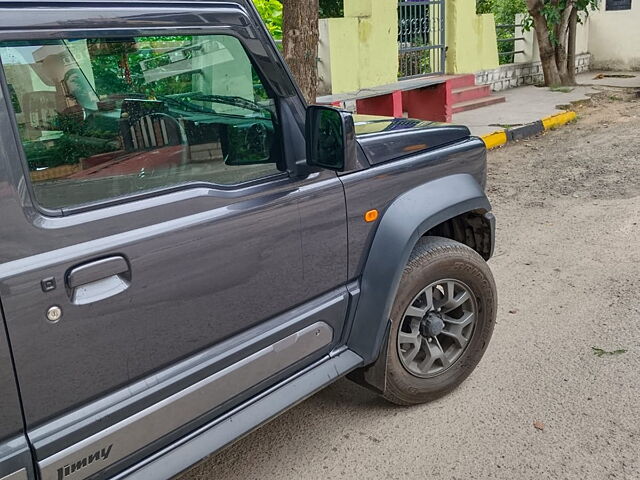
(501, 137)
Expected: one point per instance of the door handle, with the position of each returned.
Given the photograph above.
(97, 280)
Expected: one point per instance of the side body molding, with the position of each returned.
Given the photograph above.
(408, 218)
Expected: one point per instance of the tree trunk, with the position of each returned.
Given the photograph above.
(561, 51)
(547, 50)
(300, 43)
(562, 42)
(571, 48)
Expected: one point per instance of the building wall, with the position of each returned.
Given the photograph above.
(611, 37)
(361, 49)
(614, 40)
(526, 73)
(471, 38)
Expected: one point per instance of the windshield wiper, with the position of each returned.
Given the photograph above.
(185, 101)
(231, 100)
(185, 104)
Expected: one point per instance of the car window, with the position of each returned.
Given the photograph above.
(102, 118)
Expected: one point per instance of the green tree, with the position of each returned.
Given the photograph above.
(331, 8)
(505, 11)
(295, 22)
(271, 13)
(555, 23)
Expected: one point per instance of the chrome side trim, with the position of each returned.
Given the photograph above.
(124, 438)
(223, 431)
(19, 475)
(51, 437)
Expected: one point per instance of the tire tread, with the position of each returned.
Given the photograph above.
(431, 253)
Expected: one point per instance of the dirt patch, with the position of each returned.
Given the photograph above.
(596, 158)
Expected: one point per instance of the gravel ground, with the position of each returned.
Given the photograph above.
(567, 266)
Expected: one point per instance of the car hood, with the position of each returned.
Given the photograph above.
(386, 138)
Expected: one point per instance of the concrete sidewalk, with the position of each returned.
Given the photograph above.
(524, 105)
(609, 79)
(530, 110)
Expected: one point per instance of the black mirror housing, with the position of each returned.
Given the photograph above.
(331, 139)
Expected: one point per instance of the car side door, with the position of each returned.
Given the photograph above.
(15, 456)
(154, 235)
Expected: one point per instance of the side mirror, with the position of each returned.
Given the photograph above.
(331, 139)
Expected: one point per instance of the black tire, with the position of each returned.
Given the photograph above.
(432, 260)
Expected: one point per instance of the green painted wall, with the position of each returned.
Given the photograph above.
(471, 38)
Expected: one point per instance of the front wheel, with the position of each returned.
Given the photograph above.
(442, 320)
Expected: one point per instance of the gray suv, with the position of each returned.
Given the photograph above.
(187, 249)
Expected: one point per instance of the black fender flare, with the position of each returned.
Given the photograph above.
(407, 219)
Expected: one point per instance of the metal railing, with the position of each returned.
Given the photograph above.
(421, 40)
(507, 45)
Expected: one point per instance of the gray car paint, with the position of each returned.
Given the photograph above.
(403, 224)
(58, 240)
(122, 439)
(18, 475)
(384, 139)
(14, 450)
(15, 457)
(228, 428)
(188, 290)
(185, 268)
(10, 415)
(93, 418)
(377, 188)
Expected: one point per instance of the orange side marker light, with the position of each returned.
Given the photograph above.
(371, 216)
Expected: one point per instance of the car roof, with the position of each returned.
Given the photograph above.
(17, 4)
(74, 14)
(106, 3)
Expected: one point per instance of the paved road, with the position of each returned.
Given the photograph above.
(568, 273)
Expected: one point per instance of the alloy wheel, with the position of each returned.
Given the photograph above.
(436, 328)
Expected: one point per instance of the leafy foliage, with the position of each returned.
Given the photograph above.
(331, 8)
(117, 69)
(599, 352)
(271, 13)
(505, 12)
(556, 23)
(116, 66)
(79, 141)
(552, 10)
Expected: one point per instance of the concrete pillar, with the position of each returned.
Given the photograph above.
(361, 49)
(471, 38)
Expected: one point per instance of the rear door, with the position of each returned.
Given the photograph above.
(152, 235)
